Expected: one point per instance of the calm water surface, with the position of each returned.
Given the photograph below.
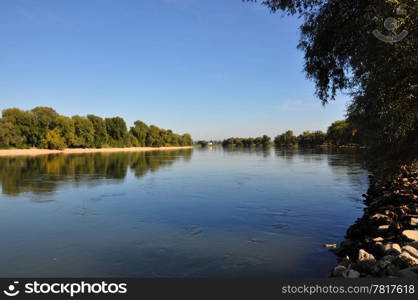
(189, 213)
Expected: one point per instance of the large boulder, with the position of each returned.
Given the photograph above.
(364, 256)
(365, 260)
(411, 235)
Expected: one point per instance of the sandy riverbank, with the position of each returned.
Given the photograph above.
(35, 151)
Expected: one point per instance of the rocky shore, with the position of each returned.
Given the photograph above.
(384, 242)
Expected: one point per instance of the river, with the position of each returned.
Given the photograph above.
(187, 213)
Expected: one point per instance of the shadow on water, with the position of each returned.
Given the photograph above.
(264, 151)
(43, 174)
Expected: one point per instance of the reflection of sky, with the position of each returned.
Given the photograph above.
(253, 213)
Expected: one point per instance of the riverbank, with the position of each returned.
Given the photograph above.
(384, 242)
(36, 151)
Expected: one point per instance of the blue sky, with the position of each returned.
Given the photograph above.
(213, 68)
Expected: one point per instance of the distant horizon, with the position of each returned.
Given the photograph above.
(213, 69)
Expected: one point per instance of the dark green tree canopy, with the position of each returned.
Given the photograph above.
(140, 132)
(84, 132)
(286, 139)
(248, 142)
(101, 137)
(117, 131)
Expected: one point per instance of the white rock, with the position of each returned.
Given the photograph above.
(413, 222)
(392, 248)
(365, 257)
(408, 259)
(378, 239)
(411, 250)
(411, 235)
(383, 228)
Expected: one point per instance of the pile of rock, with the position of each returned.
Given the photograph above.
(384, 242)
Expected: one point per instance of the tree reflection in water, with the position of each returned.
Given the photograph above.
(43, 174)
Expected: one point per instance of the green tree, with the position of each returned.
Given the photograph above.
(10, 136)
(153, 137)
(287, 139)
(140, 132)
(54, 139)
(133, 141)
(84, 132)
(100, 131)
(187, 139)
(341, 133)
(343, 54)
(311, 139)
(117, 132)
(247, 142)
(43, 127)
(66, 126)
(24, 125)
(265, 140)
(45, 119)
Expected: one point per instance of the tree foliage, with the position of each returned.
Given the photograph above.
(117, 131)
(43, 127)
(312, 139)
(343, 54)
(248, 142)
(84, 132)
(339, 133)
(55, 140)
(10, 135)
(101, 138)
(286, 139)
(342, 133)
(140, 132)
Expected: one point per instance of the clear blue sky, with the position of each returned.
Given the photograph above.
(214, 68)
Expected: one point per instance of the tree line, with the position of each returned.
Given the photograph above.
(247, 142)
(43, 127)
(340, 133)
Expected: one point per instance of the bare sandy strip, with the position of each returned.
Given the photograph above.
(35, 151)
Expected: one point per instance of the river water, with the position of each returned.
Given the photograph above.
(188, 213)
